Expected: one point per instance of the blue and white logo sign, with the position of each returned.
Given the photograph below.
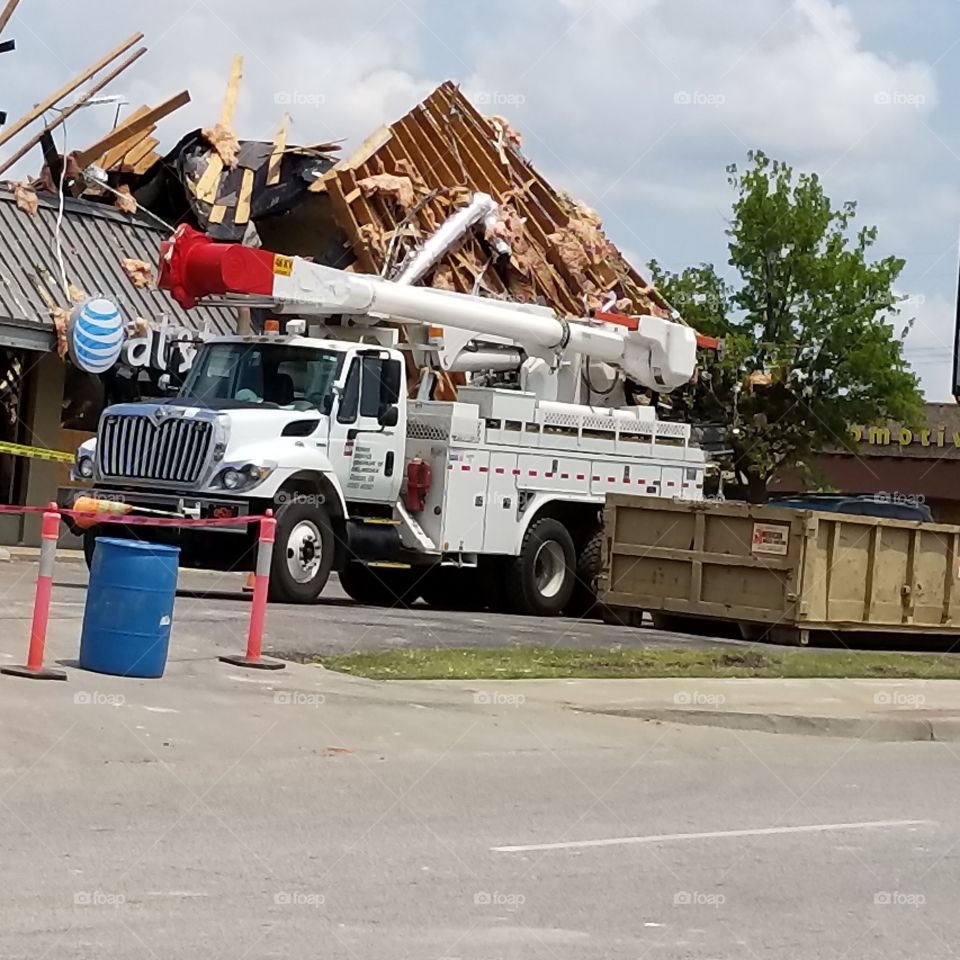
(95, 335)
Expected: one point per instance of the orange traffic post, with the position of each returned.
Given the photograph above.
(258, 606)
(34, 668)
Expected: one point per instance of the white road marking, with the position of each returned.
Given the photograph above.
(712, 835)
(161, 709)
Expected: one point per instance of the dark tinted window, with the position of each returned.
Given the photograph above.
(350, 398)
(381, 385)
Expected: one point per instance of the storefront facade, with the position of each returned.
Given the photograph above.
(45, 399)
(913, 465)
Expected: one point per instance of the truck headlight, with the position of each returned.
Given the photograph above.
(85, 467)
(243, 477)
(231, 479)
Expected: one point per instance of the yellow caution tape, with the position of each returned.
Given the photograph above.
(36, 453)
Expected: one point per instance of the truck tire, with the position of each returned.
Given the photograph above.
(584, 603)
(379, 586)
(540, 580)
(302, 553)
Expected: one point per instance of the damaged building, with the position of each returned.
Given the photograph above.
(443, 197)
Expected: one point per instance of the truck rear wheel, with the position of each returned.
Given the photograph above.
(584, 603)
(302, 553)
(540, 580)
(379, 586)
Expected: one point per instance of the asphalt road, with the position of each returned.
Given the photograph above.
(216, 813)
(337, 625)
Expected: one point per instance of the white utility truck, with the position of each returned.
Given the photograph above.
(492, 500)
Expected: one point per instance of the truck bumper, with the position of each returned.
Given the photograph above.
(213, 548)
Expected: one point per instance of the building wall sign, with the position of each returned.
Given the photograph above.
(933, 436)
(95, 334)
(168, 348)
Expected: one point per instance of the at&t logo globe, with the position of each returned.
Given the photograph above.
(95, 335)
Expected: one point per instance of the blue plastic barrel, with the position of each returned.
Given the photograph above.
(129, 609)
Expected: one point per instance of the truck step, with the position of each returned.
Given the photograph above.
(386, 565)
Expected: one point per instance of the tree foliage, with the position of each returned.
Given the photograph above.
(808, 324)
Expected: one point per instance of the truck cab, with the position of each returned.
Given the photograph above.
(312, 429)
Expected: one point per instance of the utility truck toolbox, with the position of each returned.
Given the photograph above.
(777, 574)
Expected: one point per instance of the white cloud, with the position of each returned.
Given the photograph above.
(929, 345)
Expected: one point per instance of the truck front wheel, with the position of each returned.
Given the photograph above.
(540, 581)
(302, 553)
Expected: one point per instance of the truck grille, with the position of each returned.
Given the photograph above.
(136, 448)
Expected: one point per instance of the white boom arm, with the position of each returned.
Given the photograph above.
(656, 353)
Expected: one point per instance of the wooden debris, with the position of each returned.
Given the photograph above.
(443, 278)
(59, 316)
(7, 13)
(242, 213)
(399, 189)
(447, 151)
(67, 112)
(140, 272)
(26, 198)
(209, 183)
(138, 328)
(373, 237)
(505, 135)
(125, 202)
(276, 158)
(137, 135)
(11, 131)
(143, 149)
(224, 142)
(124, 132)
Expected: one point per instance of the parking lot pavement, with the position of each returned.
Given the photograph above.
(214, 608)
(218, 813)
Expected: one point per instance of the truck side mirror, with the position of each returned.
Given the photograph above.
(326, 404)
(389, 416)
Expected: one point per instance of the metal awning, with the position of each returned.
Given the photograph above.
(95, 239)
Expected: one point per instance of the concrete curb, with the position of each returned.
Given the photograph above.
(32, 555)
(885, 729)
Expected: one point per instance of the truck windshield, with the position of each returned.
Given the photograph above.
(295, 378)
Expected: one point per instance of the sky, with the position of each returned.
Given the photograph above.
(635, 107)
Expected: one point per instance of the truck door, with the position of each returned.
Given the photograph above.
(368, 429)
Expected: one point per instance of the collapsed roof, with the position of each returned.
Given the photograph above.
(408, 178)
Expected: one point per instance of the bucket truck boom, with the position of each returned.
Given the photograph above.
(656, 353)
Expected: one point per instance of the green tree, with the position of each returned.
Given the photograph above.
(811, 347)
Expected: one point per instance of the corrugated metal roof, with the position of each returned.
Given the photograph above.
(95, 238)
